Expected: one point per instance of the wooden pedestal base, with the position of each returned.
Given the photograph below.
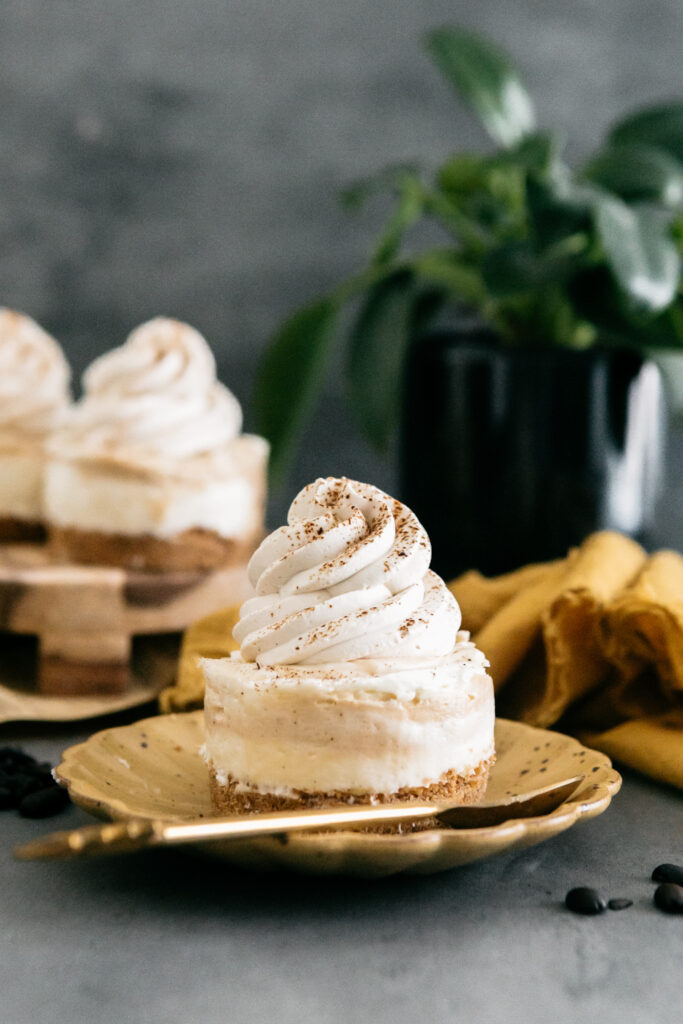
(80, 663)
(86, 616)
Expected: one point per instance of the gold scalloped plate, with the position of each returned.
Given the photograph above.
(153, 769)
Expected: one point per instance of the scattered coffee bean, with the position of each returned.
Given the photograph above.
(23, 784)
(619, 903)
(28, 785)
(668, 873)
(8, 800)
(669, 898)
(584, 901)
(12, 759)
(42, 803)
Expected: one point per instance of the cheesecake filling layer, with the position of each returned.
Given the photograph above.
(21, 482)
(225, 495)
(368, 726)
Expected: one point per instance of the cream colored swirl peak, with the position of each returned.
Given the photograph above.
(157, 396)
(347, 578)
(34, 376)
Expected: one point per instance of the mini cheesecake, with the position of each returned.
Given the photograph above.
(34, 396)
(354, 682)
(283, 737)
(152, 471)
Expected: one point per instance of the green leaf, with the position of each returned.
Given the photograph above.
(450, 215)
(443, 268)
(537, 152)
(354, 195)
(491, 199)
(640, 252)
(409, 209)
(660, 126)
(290, 377)
(514, 268)
(462, 174)
(553, 216)
(638, 172)
(485, 79)
(541, 317)
(510, 269)
(466, 173)
(378, 345)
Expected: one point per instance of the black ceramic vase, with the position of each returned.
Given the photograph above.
(510, 456)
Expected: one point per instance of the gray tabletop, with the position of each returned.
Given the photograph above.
(167, 937)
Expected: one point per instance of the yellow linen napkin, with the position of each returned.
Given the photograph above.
(210, 637)
(484, 596)
(644, 624)
(560, 606)
(653, 746)
(596, 645)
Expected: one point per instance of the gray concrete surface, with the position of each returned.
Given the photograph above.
(165, 938)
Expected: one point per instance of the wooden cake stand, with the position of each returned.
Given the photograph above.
(85, 617)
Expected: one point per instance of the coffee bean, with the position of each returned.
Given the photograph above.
(619, 903)
(669, 898)
(584, 901)
(12, 759)
(41, 780)
(28, 784)
(668, 873)
(8, 799)
(37, 771)
(42, 803)
(22, 784)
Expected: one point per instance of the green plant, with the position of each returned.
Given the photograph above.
(544, 253)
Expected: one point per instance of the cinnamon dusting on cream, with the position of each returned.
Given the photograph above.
(347, 577)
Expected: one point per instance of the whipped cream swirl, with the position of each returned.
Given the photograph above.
(157, 396)
(347, 578)
(34, 376)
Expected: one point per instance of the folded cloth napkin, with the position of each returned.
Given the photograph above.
(592, 642)
(210, 637)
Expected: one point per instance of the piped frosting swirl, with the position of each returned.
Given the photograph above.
(34, 377)
(154, 397)
(347, 578)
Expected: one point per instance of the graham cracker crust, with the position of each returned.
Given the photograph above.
(189, 550)
(460, 789)
(18, 531)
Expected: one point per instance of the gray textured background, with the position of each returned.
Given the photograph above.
(168, 157)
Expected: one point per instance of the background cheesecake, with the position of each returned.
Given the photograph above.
(34, 396)
(353, 681)
(151, 470)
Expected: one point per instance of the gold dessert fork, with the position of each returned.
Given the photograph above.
(136, 834)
